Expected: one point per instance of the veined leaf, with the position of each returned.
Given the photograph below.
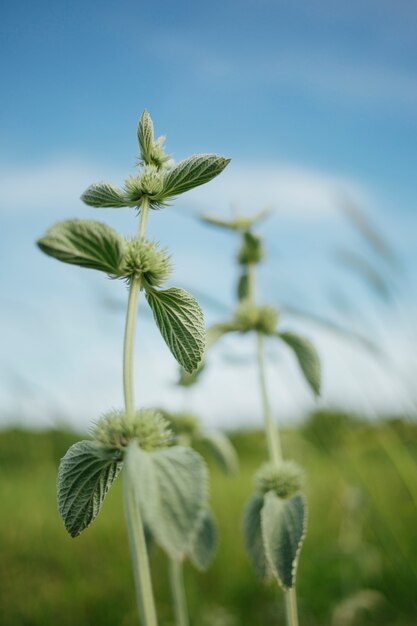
(307, 357)
(85, 475)
(223, 452)
(283, 530)
(204, 543)
(146, 136)
(195, 171)
(85, 243)
(252, 534)
(181, 322)
(171, 491)
(104, 195)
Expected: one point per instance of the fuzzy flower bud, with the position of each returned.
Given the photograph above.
(149, 183)
(115, 430)
(285, 479)
(250, 317)
(146, 260)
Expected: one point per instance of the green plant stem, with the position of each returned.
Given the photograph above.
(291, 607)
(130, 326)
(178, 592)
(271, 430)
(139, 555)
(137, 542)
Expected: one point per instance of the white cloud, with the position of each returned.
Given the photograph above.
(290, 189)
(51, 185)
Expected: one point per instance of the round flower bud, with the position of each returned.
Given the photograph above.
(185, 424)
(285, 479)
(146, 260)
(246, 316)
(148, 183)
(251, 250)
(267, 320)
(115, 430)
(250, 317)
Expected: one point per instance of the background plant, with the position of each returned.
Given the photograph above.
(165, 486)
(275, 518)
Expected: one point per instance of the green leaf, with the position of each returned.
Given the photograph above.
(85, 475)
(171, 491)
(104, 195)
(284, 525)
(181, 322)
(84, 243)
(146, 136)
(195, 171)
(252, 534)
(243, 287)
(307, 357)
(240, 223)
(204, 544)
(223, 452)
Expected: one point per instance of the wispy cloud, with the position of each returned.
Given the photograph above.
(292, 190)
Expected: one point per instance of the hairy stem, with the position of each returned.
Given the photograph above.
(178, 592)
(137, 543)
(291, 607)
(138, 552)
(271, 430)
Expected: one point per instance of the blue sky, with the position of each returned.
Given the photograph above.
(314, 103)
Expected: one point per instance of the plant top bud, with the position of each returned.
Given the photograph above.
(146, 260)
(284, 480)
(115, 430)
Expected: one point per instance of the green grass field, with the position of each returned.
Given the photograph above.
(358, 565)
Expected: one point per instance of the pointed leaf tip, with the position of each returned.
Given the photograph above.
(307, 358)
(284, 525)
(180, 320)
(85, 476)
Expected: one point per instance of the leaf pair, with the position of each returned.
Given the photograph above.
(274, 531)
(170, 487)
(95, 245)
(173, 181)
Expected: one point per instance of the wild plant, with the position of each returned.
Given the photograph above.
(164, 485)
(275, 518)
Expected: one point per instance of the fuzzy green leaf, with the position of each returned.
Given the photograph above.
(223, 452)
(284, 525)
(204, 544)
(195, 171)
(171, 491)
(307, 357)
(85, 243)
(252, 534)
(85, 475)
(146, 136)
(181, 322)
(104, 195)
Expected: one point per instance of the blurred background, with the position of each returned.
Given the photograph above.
(315, 104)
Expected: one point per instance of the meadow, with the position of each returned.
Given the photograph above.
(358, 565)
